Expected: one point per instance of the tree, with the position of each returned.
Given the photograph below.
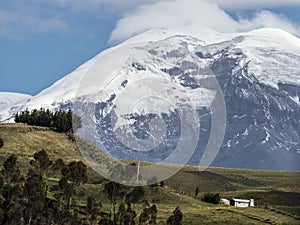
(113, 191)
(11, 171)
(105, 220)
(35, 198)
(1, 142)
(58, 164)
(92, 209)
(42, 165)
(61, 121)
(17, 118)
(176, 218)
(12, 204)
(121, 213)
(161, 184)
(129, 218)
(148, 216)
(12, 192)
(136, 194)
(73, 175)
(197, 191)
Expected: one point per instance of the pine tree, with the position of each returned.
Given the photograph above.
(17, 119)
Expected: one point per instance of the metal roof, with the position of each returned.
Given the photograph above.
(240, 200)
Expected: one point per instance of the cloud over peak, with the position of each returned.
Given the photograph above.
(30, 17)
(193, 15)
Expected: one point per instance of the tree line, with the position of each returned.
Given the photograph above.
(28, 198)
(60, 121)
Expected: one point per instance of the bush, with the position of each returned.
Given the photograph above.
(211, 198)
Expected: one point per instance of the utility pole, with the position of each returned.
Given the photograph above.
(138, 171)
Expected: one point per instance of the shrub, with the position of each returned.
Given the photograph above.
(211, 198)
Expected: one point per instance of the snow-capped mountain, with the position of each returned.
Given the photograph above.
(8, 101)
(258, 73)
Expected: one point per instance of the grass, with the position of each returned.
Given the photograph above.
(276, 193)
(24, 140)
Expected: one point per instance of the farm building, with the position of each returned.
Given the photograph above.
(224, 201)
(242, 202)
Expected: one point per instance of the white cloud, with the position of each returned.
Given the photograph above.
(19, 19)
(254, 4)
(271, 20)
(15, 25)
(104, 6)
(25, 17)
(193, 14)
(127, 4)
(174, 15)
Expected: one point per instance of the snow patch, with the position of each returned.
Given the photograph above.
(295, 99)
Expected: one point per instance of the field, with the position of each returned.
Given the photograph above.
(276, 193)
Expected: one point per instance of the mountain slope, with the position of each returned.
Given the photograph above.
(8, 99)
(9, 102)
(256, 71)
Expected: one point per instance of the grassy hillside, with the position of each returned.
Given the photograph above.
(276, 193)
(24, 140)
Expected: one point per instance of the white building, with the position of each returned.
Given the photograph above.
(224, 201)
(242, 202)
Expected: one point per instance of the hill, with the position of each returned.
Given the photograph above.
(24, 140)
(276, 193)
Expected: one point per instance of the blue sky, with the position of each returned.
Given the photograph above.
(43, 40)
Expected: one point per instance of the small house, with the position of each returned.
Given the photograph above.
(242, 202)
(224, 201)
